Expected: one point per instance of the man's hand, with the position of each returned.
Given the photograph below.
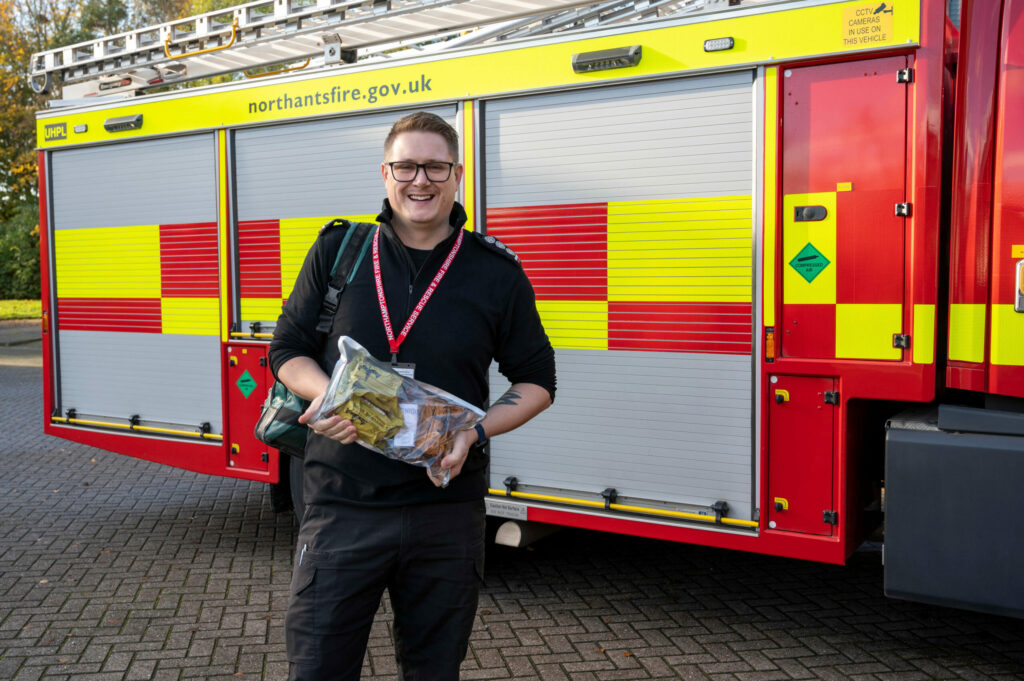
(454, 460)
(334, 427)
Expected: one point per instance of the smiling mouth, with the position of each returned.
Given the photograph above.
(420, 197)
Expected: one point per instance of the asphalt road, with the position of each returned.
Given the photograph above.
(116, 569)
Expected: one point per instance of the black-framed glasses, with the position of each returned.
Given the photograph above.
(406, 171)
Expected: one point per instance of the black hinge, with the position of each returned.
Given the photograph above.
(264, 457)
(830, 517)
(905, 75)
(901, 340)
(831, 397)
(903, 210)
(263, 361)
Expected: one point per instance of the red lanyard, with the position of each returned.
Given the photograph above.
(396, 342)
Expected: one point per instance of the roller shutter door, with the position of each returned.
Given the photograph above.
(631, 208)
(291, 179)
(137, 281)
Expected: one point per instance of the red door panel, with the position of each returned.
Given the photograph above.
(800, 454)
(843, 134)
(1006, 339)
(246, 390)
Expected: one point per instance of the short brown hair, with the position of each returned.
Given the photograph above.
(422, 121)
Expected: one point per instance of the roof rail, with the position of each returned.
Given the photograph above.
(265, 33)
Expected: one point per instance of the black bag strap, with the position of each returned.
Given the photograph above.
(350, 254)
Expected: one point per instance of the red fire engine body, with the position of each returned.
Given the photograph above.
(778, 247)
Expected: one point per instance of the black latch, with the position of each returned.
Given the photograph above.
(133, 421)
(510, 485)
(901, 340)
(809, 213)
(905, 75)
(264, 457)
(610, 495)
(71, 413)
(830, 517)
(903, 210)
(831, 397)
(204, 427)
(254, 328)
(721, 508)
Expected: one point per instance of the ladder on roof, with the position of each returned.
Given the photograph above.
(264, 33)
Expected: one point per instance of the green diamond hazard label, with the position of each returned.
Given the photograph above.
(809, 262)
(246, 383)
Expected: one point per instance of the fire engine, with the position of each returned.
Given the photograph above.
(778, 248)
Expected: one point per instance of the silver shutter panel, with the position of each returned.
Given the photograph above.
(664, 428)
(320, 169)
(123, 199)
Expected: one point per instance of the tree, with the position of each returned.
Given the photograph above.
(28, 27)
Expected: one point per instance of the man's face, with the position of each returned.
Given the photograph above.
(421, 203)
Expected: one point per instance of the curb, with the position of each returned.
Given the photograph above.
(18, 341)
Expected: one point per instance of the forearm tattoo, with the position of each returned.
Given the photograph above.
(511, 398)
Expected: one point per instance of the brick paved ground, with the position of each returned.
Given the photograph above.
(114, 569)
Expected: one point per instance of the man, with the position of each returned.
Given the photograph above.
(371, 522)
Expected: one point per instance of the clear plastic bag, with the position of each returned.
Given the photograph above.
(394, 415)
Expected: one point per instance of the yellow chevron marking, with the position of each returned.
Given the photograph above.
(822, 235)
(575, 325)
(1007, 336)
(771, 143)
(922, 343)
(297, 235)
(190, 316)
(263, 309)
(866, 331)
(681, 250)
(108, 262)
(967, 332)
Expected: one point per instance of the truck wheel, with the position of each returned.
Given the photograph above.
(295, 483)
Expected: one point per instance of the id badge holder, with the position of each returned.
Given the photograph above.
(404, 369)
(410, 412)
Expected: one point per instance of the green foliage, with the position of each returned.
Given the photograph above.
(19, 254)
(21, 309)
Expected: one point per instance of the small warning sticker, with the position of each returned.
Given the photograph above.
(809, 263)
(246, 383)
(868, 24)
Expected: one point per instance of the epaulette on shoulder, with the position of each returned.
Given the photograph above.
(495, 245)
(336, 222)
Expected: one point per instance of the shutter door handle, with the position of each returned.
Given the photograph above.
(809, 213)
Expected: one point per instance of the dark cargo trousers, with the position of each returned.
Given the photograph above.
(429, 558)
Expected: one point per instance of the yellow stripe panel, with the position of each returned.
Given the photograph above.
(1007, 336)
(190, 316)
(267, 309)
(922, 343)
(681, 250)
(866, 331)
(297, 235)
(108, 262)
(760, 37)
(771, 115)
(468, 161)
(967, 332)
(822, 235)
(575, 325)
(222, 213)
(1017, 251)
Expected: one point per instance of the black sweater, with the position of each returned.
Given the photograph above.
(483, 309)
